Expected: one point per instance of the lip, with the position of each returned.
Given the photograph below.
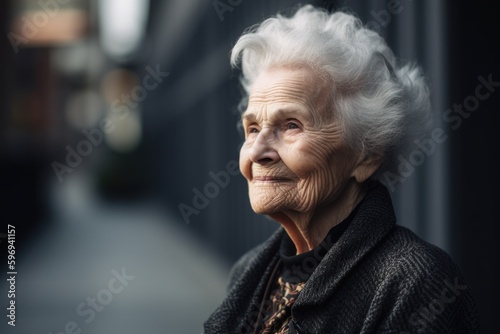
(270, 179)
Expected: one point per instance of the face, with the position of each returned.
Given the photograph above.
(294, 157)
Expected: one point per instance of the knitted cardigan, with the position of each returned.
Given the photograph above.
(379, 277)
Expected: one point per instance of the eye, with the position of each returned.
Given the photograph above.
(292, 126)
(253, 130)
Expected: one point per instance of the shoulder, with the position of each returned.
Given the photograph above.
(243, 262)
(258, 256)
(406, 259)
(406, 250)
(427, 288)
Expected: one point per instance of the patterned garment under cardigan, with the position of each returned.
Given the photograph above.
(378, 277)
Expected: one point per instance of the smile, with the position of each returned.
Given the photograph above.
(270, 179)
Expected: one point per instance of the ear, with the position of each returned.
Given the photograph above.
(366, 167)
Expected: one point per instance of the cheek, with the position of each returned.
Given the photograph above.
(309, 159)
(245, 165)
(322, 167)
(320, 153)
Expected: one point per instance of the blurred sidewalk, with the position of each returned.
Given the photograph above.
(171, 284)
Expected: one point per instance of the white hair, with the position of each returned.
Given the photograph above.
(383, 107)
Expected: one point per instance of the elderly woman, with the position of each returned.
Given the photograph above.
(329, 110)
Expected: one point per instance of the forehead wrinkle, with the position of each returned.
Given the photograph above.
(304, 90)
(279, 110)
(292, 88)
(279, 104)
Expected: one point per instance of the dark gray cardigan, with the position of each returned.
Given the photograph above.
(377, 278)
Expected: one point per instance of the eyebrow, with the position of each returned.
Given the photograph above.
(247, 116)
(287, 111)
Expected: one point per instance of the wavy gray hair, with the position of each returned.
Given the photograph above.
(383, 107)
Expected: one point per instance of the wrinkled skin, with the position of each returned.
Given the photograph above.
(300, 172)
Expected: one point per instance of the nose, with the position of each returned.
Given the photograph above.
(263, 151)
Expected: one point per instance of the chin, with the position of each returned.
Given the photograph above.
(263, 207)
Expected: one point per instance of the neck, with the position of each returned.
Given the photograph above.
(308, 229)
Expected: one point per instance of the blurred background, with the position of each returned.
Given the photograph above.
(118, 150)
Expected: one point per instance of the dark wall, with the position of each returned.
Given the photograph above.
(474, 52)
